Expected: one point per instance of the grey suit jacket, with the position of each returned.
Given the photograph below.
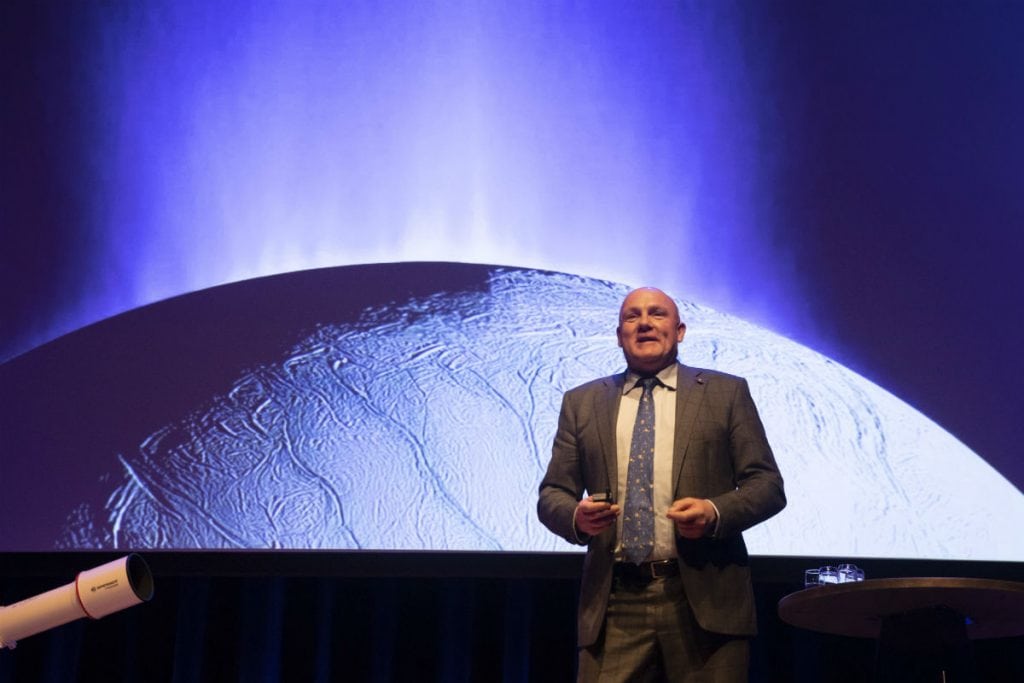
(720, 453)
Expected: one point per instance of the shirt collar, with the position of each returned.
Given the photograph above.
(668, 377)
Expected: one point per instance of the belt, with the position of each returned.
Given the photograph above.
(646, 571)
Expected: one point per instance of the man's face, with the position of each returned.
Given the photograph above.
(649, 330)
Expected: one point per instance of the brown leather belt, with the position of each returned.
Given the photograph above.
(646, 571)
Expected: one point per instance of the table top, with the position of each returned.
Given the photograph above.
(994, 609)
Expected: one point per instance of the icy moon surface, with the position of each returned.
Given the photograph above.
(427, 424)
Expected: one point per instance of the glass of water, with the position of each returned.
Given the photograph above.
(828, 575)
(850, 573)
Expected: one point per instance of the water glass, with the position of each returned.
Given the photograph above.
(850, 573)
(846, 572)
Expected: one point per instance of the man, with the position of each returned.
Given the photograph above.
(666, 591)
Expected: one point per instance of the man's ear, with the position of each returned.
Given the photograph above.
(680, 333)
(618, 335)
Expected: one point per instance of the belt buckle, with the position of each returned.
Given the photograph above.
(661, 569)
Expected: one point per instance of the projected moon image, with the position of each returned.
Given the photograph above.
(426, 423)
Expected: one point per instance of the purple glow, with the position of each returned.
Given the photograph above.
(240, 140)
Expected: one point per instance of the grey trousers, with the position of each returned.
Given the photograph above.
(650, 634)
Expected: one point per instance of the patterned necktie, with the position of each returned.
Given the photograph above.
(638, 515)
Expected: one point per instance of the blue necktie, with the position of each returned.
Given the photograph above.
(638, 515)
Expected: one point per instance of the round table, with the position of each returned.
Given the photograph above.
(923, 625)
(991, 609)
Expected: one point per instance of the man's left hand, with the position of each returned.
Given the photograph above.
(693, 517)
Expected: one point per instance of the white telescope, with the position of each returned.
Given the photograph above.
(94, 593)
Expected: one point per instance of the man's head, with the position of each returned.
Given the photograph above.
(649, 330)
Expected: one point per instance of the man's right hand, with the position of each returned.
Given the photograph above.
(592, 518)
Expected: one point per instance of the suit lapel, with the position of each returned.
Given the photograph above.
(690, 393)
(606, 409)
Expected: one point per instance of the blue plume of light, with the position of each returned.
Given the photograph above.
(612, 140)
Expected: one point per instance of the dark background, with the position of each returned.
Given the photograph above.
(902, 201)
(403, 617)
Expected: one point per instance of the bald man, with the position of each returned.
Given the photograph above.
(666, 592)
